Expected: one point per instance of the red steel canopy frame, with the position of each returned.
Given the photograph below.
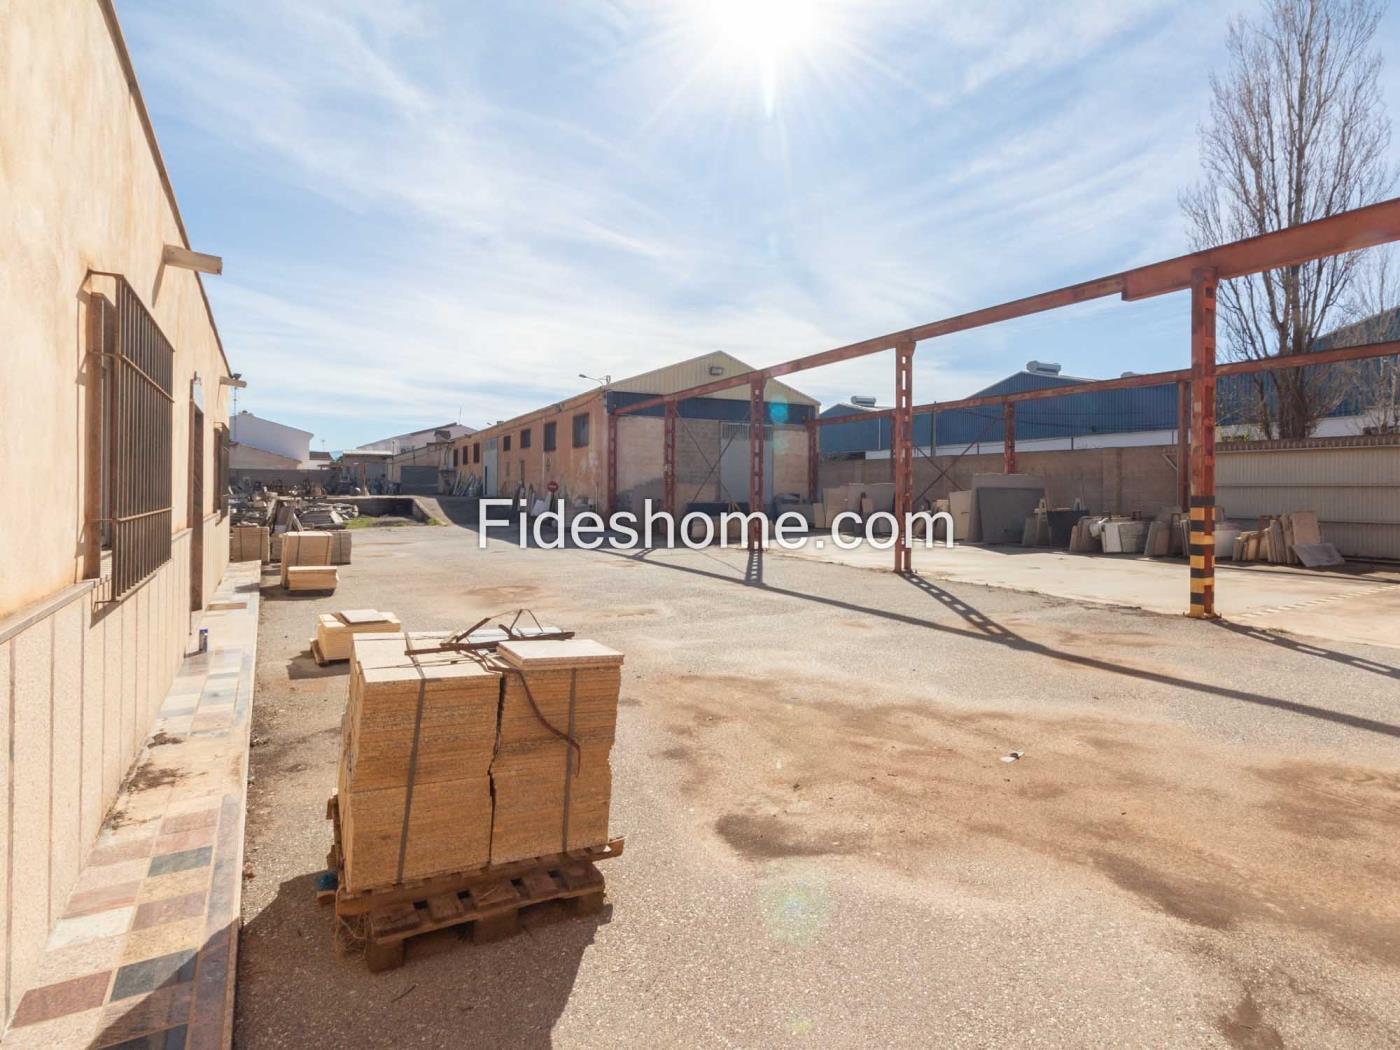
(1200, 272)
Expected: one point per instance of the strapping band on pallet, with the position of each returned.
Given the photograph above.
(568, 766)
(568, 737)
(412, 764)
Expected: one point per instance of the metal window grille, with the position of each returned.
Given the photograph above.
(581, 431)
(221, 447)
(525, 437)
(136, 443)
(550, 432)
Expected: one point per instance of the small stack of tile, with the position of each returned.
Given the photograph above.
(417, 745)
(306, 562)
(340, 547)
(335, 631)
(553, 795)
(249, 543)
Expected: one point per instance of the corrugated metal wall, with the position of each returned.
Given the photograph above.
(1352, 484)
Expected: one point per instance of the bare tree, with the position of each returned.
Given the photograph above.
(1373, 309)
(1297, 131)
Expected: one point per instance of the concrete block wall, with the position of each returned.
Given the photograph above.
(79, 689)
(1108, 480)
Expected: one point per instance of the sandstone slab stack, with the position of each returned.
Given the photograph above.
(551, 794)
(415, 775)
(305, 549)
(336, 631)
(249, 543)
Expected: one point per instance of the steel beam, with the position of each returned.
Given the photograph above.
(612, 460)
(902, 454)
(668, 465)
(1008, 441)
(1335, 235)
(814, 463)
(1360, 352)
(1201, 530)
(1183, 446)
(755, 461)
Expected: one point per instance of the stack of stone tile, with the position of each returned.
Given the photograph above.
(335, 631)
(552, 794)
(417, 745)
(306, 562)
(248, 543)
(340, 547)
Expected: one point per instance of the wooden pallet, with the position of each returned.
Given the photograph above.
(495, 900)
(320, 657)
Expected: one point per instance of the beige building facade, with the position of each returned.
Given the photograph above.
(113, 417)
(566, 444)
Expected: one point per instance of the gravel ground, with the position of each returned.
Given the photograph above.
(824, 848)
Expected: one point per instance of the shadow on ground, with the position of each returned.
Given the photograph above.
(297, 977)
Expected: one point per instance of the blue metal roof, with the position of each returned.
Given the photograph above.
(1074, 415)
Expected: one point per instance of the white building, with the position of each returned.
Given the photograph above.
(418, 438)
(261, 443)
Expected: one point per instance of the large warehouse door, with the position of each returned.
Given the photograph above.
(734, 463)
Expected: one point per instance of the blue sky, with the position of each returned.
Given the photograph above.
(429, 210)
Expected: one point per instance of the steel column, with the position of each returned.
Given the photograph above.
(902, 454)
(1202, 506)
(1008, 448)
(755, 460)
(668, 466)
(813, 462)
(1183, 445)
(611, 495)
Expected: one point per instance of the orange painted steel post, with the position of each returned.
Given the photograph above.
(612, 462)
(755, 461)
(1008, 450)
(668, 465)
(903, 454)
(1202, 510)
(1183, 446)
(813, 462)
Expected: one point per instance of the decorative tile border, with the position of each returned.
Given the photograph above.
(144, 953)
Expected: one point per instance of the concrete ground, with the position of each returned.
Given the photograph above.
(824, 846)
(1354, 603)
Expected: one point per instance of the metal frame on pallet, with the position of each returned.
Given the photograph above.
(1198, 272)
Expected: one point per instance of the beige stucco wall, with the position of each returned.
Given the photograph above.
(80, 189)
(579, 472)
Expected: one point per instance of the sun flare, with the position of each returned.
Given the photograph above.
(769, 36)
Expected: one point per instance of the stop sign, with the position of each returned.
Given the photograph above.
(553, 486)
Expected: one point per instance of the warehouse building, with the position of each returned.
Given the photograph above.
(565, 445)
(1133, 417)
(114, 393)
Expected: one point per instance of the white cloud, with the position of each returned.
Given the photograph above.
(500, 237)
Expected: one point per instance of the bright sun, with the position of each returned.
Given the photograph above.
(768, 34)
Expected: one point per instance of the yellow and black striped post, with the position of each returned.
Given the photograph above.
(1201, 531)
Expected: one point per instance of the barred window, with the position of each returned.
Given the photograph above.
(551, 431)
(133, 440)
(505, 443)
(221, 467)
(525, 438)
(581, 430)
(476, 452)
